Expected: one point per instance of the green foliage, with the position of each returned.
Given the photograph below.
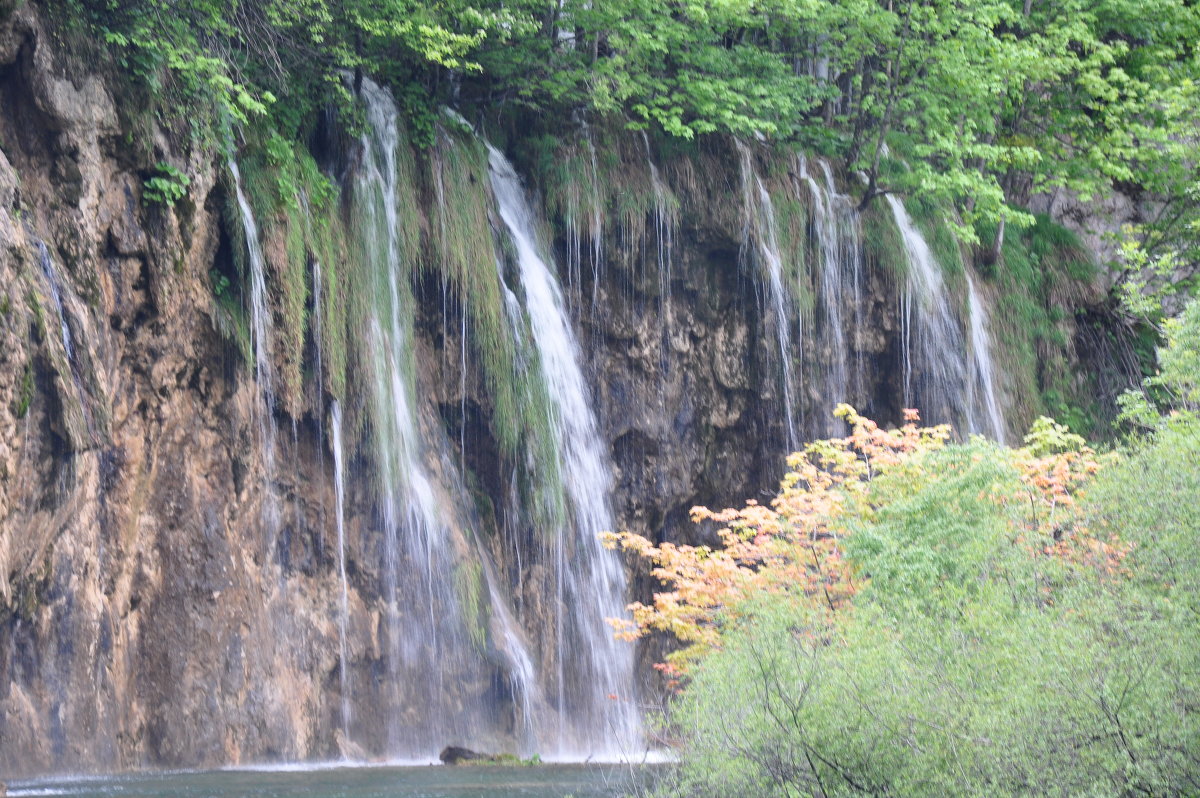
(1077, 94)
(512, 760)
(972, 663)
(1042, 274)
(1179, 360)
(466, 256)
(1175, 389)
(25, 393)
(39, 315)
(469, 590)
(166, 186)
(882, 245)
(1047, 436)
(924, 97)
(230, 319)
(939, 231)
(221, 285)
(1150, 279)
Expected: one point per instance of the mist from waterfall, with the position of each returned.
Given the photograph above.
(596, 698)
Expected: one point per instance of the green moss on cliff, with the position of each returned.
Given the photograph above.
(882, 245)
(1043, 276)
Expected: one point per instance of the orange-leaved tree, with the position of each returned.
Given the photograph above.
(795, 545)
(792, 546)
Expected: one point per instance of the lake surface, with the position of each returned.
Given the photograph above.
(541, 781)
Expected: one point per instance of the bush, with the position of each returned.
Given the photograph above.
(1020, 627)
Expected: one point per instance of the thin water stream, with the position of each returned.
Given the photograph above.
(761, 236)
(982, 386)
(260, 341)
(339, 484)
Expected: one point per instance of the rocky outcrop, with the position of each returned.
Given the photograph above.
(144, 618)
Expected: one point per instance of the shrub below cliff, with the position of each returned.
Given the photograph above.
(1022, 621)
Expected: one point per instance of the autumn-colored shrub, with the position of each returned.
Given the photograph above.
(918, 617)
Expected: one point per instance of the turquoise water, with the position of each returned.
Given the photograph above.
(543, 781)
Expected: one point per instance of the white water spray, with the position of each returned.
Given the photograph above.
(602, 718)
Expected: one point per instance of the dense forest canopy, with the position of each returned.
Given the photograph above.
(978, 104)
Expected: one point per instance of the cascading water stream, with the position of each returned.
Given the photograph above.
(339, 487)
(50, 272)
(851, 242)
(521, 671)
(931, 335)
(983, 379)
(260, 341)
(761, 229)
(590, 578)
(51, 275)
(934, 341)
(413, 528)
(839, 240)
(423, 499)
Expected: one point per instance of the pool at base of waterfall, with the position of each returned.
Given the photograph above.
(350, 781)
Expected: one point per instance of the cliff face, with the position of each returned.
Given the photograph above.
(170, 596)
(142, 621)
(149, 614)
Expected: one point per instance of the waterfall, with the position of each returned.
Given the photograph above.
(933, 341)
(850, 238)
(982, 385)
(339, 487)
(413, 529)
(56, 294)
(260, 341)
(51, 275)
(840, 257)
(761, 228)
(929, 330)
(590, 580)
